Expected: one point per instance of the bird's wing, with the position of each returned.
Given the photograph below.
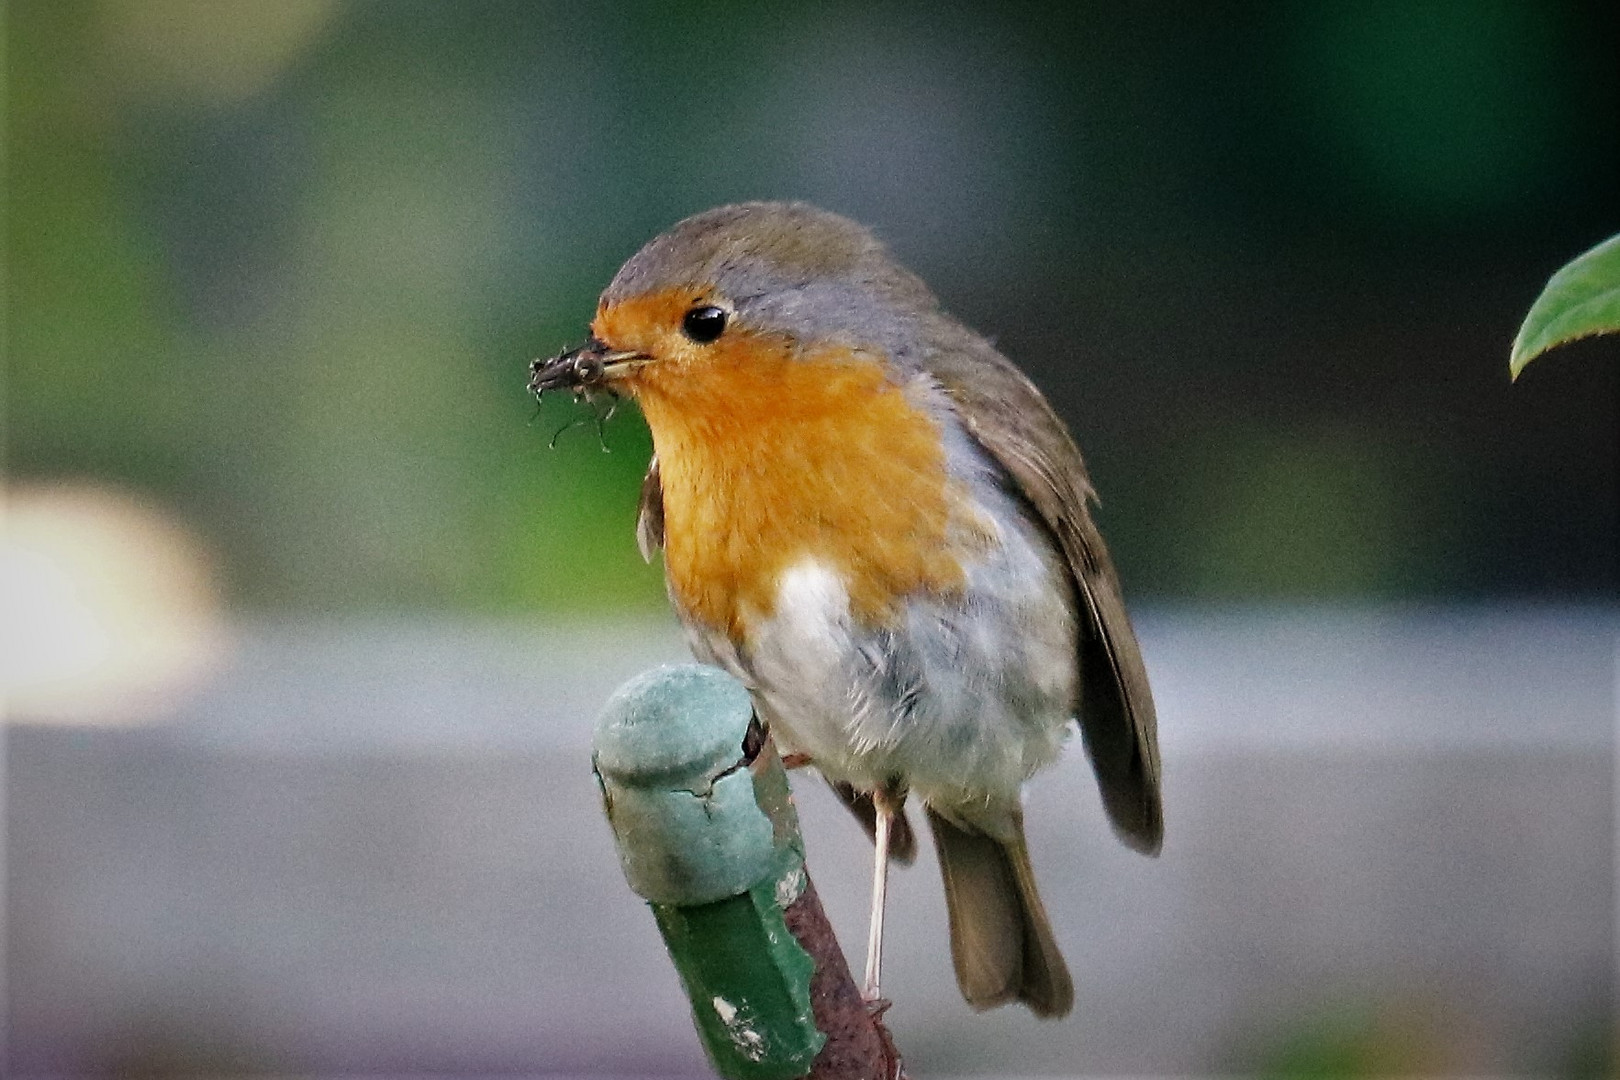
(650, 518)
(1007, 415)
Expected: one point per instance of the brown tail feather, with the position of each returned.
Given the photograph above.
(1001, 941)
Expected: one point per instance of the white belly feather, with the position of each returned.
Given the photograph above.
(960, 700)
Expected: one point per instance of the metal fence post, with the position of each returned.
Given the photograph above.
(708, 836)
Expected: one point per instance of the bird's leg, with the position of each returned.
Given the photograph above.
(884, 803)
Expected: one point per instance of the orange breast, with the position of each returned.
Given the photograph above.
(768, 458)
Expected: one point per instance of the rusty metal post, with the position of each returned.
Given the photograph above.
(708, 836)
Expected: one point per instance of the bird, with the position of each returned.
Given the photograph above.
(877, 523)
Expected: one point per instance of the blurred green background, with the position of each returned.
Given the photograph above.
(277, 268)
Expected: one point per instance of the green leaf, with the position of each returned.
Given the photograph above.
(1582, 299)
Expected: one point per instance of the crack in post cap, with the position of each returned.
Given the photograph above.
(677, 727)
(697, 816)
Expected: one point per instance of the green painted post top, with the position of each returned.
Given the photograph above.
(707, 834)
(677, 725)
(694, 822)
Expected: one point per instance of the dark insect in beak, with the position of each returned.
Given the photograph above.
(581, 370)
(586, 372)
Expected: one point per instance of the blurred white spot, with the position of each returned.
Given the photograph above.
(108, 610)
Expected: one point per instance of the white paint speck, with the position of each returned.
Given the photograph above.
(789, 886)
(749, 1043)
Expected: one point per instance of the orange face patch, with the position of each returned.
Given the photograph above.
(771, 453)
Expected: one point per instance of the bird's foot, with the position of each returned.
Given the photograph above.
(795, 761)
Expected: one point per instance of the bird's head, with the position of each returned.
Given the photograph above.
(741, 291)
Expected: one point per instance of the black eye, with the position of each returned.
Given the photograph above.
(704, 324)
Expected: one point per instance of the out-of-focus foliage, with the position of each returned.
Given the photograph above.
(1410, 1035)
(1581, 300)
(279, 267)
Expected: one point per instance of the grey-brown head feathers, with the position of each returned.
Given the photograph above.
(786, 267)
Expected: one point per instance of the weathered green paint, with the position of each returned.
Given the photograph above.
(712, 843)
(748, 981)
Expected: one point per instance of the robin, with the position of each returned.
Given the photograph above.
(877, 523)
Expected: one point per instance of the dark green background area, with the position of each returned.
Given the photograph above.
(1266, 259)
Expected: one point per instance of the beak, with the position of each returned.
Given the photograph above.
(589, 367)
